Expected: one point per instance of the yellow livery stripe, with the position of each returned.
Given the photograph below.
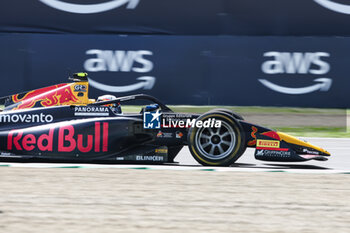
(296, 141)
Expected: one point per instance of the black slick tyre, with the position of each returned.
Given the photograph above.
(232, 113)
(217, 146)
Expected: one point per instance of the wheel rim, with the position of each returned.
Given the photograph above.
(216, 143)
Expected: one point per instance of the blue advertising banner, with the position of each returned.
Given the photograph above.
(181, 17)
(206, 70)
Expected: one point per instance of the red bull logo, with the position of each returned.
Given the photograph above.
(60, 94)
(61, 139)
(253, 135)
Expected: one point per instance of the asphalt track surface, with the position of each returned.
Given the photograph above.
(187, 198)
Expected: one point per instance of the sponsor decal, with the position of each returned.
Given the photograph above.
(48, 96)
(67, 140)
(161, 134)
(259, 153)
(267, 144)
(273, 153)
(26, 118)
(91, 111)
(5, 154)
(121, 61)
(306, 151)
(161, 151)
(335, 6)
(149, 158)
(179, 134)
(310, 63)
(159, 154)
(253, 135)
(90, 8)
(80, 88)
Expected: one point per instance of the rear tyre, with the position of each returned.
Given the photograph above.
(217, 146)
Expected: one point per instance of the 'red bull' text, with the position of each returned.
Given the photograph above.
(67, 140)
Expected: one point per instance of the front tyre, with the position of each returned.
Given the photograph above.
(217, 146)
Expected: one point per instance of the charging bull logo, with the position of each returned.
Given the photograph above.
(63, 138)
(253, 135)
(48, 96)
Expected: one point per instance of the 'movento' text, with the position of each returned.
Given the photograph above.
(26, 118)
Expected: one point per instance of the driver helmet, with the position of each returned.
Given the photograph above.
(114, 106)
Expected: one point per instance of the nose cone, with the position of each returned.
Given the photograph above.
(295, 141)
(326, 152)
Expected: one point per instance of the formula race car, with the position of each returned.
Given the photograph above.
(60, 123)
